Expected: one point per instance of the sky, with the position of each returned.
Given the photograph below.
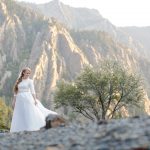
(118, 12)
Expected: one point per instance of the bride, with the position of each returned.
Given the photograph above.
(29, 114)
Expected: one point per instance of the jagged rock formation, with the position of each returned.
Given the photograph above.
(53, 52)
(124, 134)
(29, 39)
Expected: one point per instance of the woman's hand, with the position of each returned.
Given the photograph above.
(35, 102)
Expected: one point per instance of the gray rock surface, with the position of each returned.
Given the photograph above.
(124, 134)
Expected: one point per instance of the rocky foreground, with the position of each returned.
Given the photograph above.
(124, 134)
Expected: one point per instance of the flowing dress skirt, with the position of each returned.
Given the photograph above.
(27, 116)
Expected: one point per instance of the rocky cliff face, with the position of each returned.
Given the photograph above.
(27, 39)
(18, 32)
(54, 52)
(54, 58)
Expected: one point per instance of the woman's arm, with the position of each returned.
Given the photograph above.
(34, 96)
(33, 91)
(14, 101)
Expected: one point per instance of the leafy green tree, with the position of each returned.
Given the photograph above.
(100, 93)
(5, 115)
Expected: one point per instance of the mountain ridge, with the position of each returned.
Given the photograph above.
(87, 19)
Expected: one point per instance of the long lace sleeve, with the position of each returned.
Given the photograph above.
(31, 85)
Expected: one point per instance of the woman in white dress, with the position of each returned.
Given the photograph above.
(29, 114)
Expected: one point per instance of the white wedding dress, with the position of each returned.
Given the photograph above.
(26, 115)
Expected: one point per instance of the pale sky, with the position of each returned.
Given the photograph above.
(118, 12)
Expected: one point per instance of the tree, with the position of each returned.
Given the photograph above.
(100, 93)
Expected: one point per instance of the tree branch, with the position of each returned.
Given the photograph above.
(114, 110)
(110, 96)
(84, 114)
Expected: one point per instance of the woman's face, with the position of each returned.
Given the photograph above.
(26, 74)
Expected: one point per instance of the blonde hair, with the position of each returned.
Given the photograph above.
(15, 88)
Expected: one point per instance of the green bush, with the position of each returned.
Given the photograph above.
(5, 115)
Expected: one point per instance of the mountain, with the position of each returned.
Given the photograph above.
(74, 18)
(55, 52)
(85, 19)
